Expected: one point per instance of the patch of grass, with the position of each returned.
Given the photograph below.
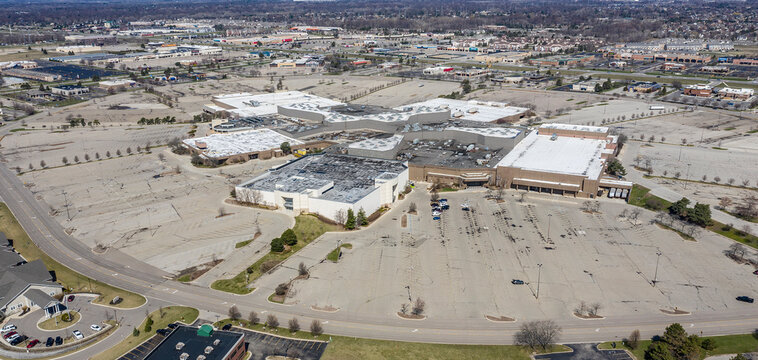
(730, 128)
(753, 131)
(728, 344)
(447, 189)
(571, 99)
(582, 102)
(334, 256)
(734, 234)
(717, 148)
(23, 129)
(342, 347)
(70, 279)
(307, 228)
(276, 299)
(170, 314)
(640, 196)
(242, 243)
(185, 278)
(55, 323)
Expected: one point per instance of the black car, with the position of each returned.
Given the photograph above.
(58, 340)
(172, 326)
(163, 332)
(49, 342)
(517, 282)
(18, 340)
(746, 299)
(227, 327)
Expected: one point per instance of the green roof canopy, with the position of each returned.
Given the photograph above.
(205, 330)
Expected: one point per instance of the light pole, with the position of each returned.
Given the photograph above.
(657, 260)
(539, 277)
(687, 176)
(549, 217)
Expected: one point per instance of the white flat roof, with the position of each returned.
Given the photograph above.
(389, 117)
(585, 128)
(246, 104)
(223, 145)
(500, 132)
(472, 110)
(378, 144)
(563, 155)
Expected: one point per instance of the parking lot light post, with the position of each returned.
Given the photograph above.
(655, 277)
(549, 217)
(539, 277)
(687, 176)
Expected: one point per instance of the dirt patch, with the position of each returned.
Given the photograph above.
(404, 221)
(327, 308)
(499, 318)
(675, 312)
(411, 316)
(195, 272)
(588, 316)
(277, 298)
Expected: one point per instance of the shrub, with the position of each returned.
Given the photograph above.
(135, 332)
(289, 237)
(281, 289)
(268, 265)
(277, 245)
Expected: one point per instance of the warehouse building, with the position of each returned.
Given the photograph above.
(246, 104)
(69, 90)
(328, 185)
(561, 159)
(380, 147)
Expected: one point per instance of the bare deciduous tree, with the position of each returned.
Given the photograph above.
(234, 313)
(634, 340)
(294, 325)
(538, 334)
(316, 328)
(418, 307)
(272, 321)
(253, 318)
(302, 269)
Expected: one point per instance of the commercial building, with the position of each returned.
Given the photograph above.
(245, 145)
(69, 90)
(26, 285)
(200, 343)
(246, 104)
(748, 62)
(698, 90)
(670, 66)
(31, 74)
(560, 159)
(438, 70)
(557, 60)
(328, 185)
(735, 94)
(644, 87)
(714, 69)
(586, 86)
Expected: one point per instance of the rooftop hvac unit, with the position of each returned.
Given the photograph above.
(473, 110)
(179, 346)
(184, 356)
(201, 357)
(216, 342)
(208, 349)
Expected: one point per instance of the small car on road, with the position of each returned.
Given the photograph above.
(517, 282)
(49, 342)
(17, 340)
(746, 299)
(8, 335)
(32, 344)
(95, 327)
(58, 340)
(71, 298)
(78, 335)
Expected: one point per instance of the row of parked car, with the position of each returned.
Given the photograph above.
(14, 338)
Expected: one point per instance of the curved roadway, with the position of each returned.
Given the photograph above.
(121, 270)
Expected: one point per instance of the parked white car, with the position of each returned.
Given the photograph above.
(78, 335)
(9, 327)
(95, 327)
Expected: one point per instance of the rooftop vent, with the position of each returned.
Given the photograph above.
(184, 356)
(179, 345)
(216, 342)
(208, 349)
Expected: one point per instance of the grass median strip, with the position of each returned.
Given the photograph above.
(161, 318)
(334, 256)
(344, 348)
(71, 280)
(307, 228)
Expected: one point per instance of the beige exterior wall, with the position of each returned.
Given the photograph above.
(20, 301)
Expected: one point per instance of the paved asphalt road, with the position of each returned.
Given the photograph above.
(121, 270)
